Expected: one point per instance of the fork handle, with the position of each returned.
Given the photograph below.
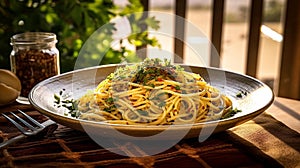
(12, 140)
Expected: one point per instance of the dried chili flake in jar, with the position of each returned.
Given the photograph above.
(34, 58)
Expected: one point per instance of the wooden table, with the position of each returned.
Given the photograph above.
(269, 140)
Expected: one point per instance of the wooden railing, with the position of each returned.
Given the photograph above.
(289, 80)
(289, 83)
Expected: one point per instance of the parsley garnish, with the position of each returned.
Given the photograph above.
(231, 113)
(177, 87)
(63, 100)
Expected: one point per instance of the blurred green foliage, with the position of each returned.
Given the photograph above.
(273, 11)
(74, 21)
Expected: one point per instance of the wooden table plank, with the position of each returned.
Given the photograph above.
(286, 111)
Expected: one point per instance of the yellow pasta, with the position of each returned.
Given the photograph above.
(153, 93)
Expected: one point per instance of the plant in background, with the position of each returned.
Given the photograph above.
(273, 11)
(73, 21)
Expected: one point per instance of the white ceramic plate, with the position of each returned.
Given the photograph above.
(256, 97)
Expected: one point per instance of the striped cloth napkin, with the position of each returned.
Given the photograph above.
(273, 138)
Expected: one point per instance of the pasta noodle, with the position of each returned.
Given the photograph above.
(154, 93)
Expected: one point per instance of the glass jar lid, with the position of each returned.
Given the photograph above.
(33, 38)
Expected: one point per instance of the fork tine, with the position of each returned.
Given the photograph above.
(15, 123)
(31, 119)
(24, 122)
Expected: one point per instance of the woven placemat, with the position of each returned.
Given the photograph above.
(71, 148)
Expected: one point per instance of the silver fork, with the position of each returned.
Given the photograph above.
(38, 129)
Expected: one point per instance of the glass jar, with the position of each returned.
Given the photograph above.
(34, 58)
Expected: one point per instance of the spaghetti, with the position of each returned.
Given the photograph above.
(153, 93)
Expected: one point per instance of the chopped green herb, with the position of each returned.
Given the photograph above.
(152, 85)
(67, 101)
(75, 113)
(239, 94)
(110, 109)
(231, 113)
(177, 87)
(57, 99)
(70, 104)
(110, 100)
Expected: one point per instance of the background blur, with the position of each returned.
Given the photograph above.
(75, 21)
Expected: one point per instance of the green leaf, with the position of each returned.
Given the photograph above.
(152, 22)
(76, 15)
